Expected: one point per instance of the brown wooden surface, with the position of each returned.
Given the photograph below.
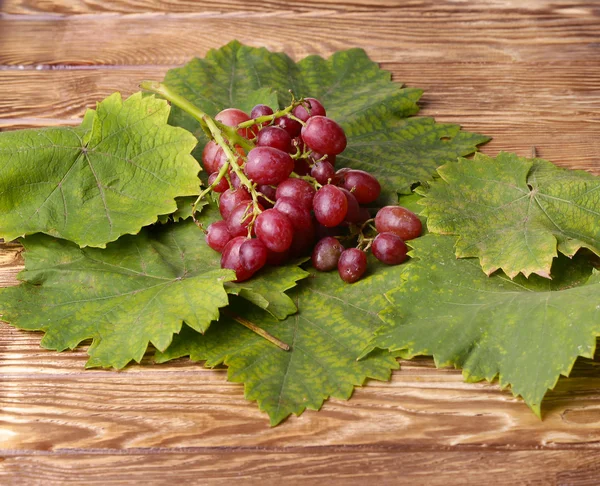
(524, 72)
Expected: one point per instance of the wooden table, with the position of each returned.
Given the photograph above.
(526, 72)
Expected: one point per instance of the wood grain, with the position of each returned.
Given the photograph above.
(485, 33)
(313, 468)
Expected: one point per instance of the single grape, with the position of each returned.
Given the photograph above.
(389, 248)
(230, 258)
(352, 264)
(274, 229)
(353, 212)
(326, 254)
(363, 215)
(253, 255)
(235, 180)
(297, 189)
(217, 235)
(289, 125)
(398, 220)
(239, 219)
(222, 186)
(330, 205)
(230, 199)
(323, 172)
(275, 137)
(268, 165)
(324, 135)
(363, 185)
(261, 110)
(232, 117)
(314, 108)
(208, 156)
(298, 215)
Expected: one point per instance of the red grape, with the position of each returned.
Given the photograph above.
(301, 167)
(330, 205)
(352, 264)
(324, 135)
(253, 255)
(323, 172)
(298, 215)
(268, 165)
(222, 186)
(232, 117)
(239, 219)
(261, 110)
(314, 108)
(217, 235)
(326, 254)
(230, 258)
(389, 248)
(297, 189)
(353, 212)
(289, 125)
(303, 241)
(268, 192)
(275, 137)
(274, 229)
(398, 220)
(230, 199)
(363, 185)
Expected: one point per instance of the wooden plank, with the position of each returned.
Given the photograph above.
(479, 33)
(554, 107)
(351, 467)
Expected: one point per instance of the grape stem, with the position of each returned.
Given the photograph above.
(258, 330)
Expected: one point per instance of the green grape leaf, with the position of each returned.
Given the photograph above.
(184, 209)
(113, 175)
(514, 213)
(334, 322)
(376, 113)
(266, 289)
(138, 290)
(525, 331)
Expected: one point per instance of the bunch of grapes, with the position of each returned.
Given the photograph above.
(281, 196)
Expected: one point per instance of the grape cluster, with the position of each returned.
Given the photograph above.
(281, 196)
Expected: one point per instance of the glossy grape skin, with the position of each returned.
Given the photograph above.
(235, 180)
(316, 109)
(253, 255)
(326, 254)
(298, 215)
(291, 126)
(268, 165)
(389, 248)
(323, 172)
(217, 235)
(275, 137)
(324, 135)
(239, 219)
(232, 117)
(261, 110)
(275, 230)
(230, 199)
(330, 206)
(353, 211)
(398, 220)
(352, 265)
(297, 189)
(208, 156)
(363, 185)
(230, 258)
(222, 186)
